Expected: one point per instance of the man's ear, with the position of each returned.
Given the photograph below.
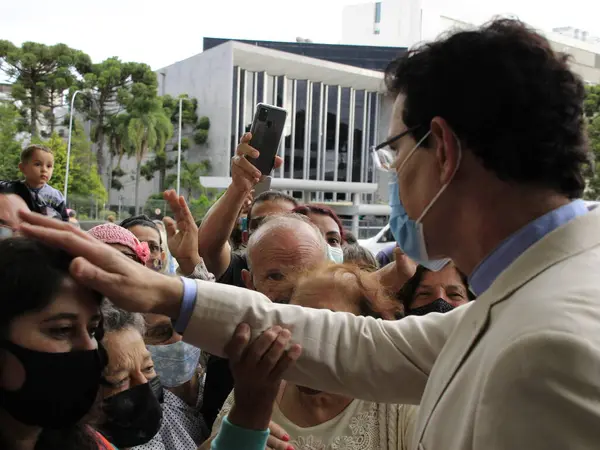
(21, 167)
(247, 278)
(447, 149)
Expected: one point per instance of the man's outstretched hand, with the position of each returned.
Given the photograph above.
(128, 284)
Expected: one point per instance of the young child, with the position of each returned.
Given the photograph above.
(37, 165)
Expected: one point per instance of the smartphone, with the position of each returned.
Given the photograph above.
(267, 131)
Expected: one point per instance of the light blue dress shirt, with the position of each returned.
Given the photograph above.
(512, 247)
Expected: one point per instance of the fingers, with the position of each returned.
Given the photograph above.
(172, 199)
(277, 444)
(74, 241)
(242, 167)
(246, 137)
(278, 432)
(93, 277)
(186, 214)
(170, 227)
(286, 361)
(236, 346)
(275, 351)
(256, 352)
(278, 162)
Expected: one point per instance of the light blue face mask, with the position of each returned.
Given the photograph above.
(175, 363)
(409, 233)
(335, 254)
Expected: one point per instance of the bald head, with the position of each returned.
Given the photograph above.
(10, 205)
(282, 248)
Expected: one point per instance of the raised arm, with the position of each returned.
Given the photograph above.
(216, 228)
(213, 234)
(342, 353)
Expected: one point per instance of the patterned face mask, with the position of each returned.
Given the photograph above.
(175, 363)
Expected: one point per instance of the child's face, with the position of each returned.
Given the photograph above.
(38, 169)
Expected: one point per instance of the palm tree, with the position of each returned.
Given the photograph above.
(190, 177)
(148, 130)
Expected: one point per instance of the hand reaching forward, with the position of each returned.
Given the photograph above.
(257, 370)
(128, 284)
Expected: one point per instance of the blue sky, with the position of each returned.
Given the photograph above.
(160, 32)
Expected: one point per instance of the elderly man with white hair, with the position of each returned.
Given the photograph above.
(281, 249)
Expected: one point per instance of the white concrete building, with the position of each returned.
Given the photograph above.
(336, 113)
(408, 22)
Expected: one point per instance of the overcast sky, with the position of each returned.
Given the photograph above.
(160, 32)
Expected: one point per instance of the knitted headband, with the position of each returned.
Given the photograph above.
(110, 233)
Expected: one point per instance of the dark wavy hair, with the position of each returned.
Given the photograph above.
(21, 261)
(144, 221)
(322, 210)
(510, 98)
(268, 196)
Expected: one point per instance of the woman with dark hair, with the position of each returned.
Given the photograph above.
(429, 291)
(50, 363)
(327, 221)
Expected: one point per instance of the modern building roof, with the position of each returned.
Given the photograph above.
(368, 57)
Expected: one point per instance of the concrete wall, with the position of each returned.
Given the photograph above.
(208, 77)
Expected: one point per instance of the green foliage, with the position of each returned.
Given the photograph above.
(41, 74)
(190, 177)
(592, 113)
(10, 148)
(148, 127)
(84, 180)
(200, 137)
(203, 123)
(161, 162)
(102, 86)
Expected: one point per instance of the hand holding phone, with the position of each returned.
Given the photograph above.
(267, 131)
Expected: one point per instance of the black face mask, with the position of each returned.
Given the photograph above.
(134, 416)
(440, 305)
(59, 388)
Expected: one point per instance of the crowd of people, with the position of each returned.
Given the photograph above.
(267, 326)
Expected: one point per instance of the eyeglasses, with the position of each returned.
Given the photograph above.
(384, 156)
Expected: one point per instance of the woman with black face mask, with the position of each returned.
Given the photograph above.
(131, 390)
(429, 291)
(50, 363)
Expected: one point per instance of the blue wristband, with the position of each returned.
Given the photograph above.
(188, 301)
(231, 436)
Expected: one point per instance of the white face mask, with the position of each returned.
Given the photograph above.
(419, 252)
(335, 254)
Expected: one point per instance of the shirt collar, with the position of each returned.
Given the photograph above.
(512, 247)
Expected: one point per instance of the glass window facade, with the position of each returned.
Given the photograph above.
(329, 132)
(378, 12)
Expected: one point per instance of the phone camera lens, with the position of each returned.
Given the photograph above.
(263, 114)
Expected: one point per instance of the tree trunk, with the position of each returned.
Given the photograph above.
(100, 160)
(138, 170)
(162, 176)
(34, 115)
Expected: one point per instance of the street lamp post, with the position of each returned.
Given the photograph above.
(179, 147)
(69, 144)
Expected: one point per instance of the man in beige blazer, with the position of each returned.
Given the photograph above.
(488, 134)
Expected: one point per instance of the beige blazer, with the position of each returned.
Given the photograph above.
(517, 369)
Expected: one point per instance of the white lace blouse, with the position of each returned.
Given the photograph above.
(361, 426)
